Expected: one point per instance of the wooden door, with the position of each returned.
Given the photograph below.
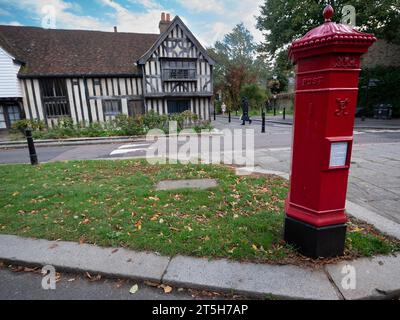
(135, 107)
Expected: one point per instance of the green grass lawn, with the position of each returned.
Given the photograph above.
(114, 203)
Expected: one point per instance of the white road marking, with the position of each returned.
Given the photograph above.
(122, 151)
(382, 131)
(129, 146)
(279, 149)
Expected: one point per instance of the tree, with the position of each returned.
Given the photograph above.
(255, 93)
(237, 64)
(284, 21)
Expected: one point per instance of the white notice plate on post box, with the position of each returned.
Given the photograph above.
(338, 154)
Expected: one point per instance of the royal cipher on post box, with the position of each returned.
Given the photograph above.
(327, 63)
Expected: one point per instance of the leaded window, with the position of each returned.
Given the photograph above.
(179, 70)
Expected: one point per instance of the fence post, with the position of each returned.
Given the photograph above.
(31, 146)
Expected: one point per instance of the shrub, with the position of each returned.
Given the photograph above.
(255, 94)
(153, 120)
(122, 125)
(128, 126)
(23, 124)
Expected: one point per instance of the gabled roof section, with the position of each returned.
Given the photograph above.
(176, 21)
(56, 52)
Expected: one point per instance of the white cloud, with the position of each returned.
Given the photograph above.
(223, 22)
(202, 6)
(66, 14)
(4, 12)
(13, 23)
(148, 4)
(129, 21)
(213, 32)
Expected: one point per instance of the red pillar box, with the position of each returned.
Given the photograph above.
(327, 69)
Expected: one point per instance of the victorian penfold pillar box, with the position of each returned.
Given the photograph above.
(327, 63)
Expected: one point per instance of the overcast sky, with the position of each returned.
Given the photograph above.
(209, 20)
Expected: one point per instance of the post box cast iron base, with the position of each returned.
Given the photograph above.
(315, 242)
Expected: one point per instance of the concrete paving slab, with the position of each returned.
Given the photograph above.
(71, 256)
(187, 184)
(377, 277)
(381, 223)
(247, 170)
(256, 279)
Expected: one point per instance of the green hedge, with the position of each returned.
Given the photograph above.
(386, 90)
(122, 125)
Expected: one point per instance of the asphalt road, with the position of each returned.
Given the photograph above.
(276, 136)
(20, 285)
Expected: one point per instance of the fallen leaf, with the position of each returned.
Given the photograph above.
(71, 280)
(134, 289)
(91, 278)
(114, 251)
(138, 225)
(167, 289)
(254, 247)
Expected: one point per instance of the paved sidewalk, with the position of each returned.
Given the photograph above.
(374, 181)
(376, 278)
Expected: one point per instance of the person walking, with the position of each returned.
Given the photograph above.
(223, 108)
(245, 111)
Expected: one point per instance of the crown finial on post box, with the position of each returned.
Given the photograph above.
(328, 13)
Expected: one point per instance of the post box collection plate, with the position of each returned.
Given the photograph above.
(338, 156)
(327, 61)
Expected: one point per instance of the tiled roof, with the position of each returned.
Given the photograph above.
(74, 52)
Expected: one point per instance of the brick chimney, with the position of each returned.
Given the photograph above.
(115, 29)
(164, 22)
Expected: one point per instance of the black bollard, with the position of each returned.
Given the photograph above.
(214, 115)
(284, 113)
(274, 111)
(263, 122)
(31, 147)
(229, 116)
